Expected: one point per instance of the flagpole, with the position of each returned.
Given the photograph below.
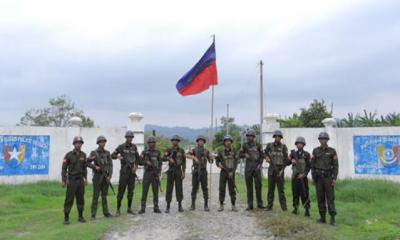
(261, 101)
(210, 140)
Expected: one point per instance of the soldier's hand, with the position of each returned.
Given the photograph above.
(120, 157)
(108, 179)
(230, 174)
(195, 159)
(171, 161)
(246, 155)
(333, 182)
(64, 184)
(300, 176)
(85, 181)
(183, 175)
(149, 163)
(293, 162)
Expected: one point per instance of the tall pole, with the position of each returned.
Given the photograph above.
(211, 136)
(261, 101)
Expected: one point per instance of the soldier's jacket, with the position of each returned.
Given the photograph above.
(202, 154)
(325, 162)
(154, 156)
(255, 155)
(74, 165)
(303, 162)
(278, 153)
(102, 159)
(228, 158)
(129, 154)
(176, 154)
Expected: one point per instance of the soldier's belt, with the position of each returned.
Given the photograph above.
(75, 177)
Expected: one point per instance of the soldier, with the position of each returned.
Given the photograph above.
(176, 172)
(324, 171)
(128, 154)
(254, 156)
(200, 156)
(301, 166)
(151, 160)
(101, 163)
(277, 157)
(74, 177)
(227, 160)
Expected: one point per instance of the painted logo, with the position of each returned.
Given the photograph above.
(14, 156)
(388, 156)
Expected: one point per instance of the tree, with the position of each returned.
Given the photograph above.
(59, 112)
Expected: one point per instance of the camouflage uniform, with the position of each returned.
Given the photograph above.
(175, 173)
(100, 158)
(229, 160)
(199, 173)
(324, 170)
(151, 175)
(129, 158)
(254, 158)
(278, 154)
(302, 165)
(73, 174)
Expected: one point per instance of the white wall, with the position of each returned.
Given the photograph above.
(61, 143)
(340, 138)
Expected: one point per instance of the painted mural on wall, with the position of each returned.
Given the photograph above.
(377, 155)
(24, 155)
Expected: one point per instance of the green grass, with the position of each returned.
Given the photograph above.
(367, 209)
(35, 211)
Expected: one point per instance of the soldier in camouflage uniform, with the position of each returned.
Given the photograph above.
(101, 163)
(74, 175)
(175, 156)
(128, 154)
(254, 156)
(150, 158)
(277, 157)
(324, 171)
(301, 166)
(227, 160)
(200, 156)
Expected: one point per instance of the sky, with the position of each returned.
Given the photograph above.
(116, 57)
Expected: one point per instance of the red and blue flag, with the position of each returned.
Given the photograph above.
(201, 76)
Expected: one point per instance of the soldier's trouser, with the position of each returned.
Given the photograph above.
(75, 189)
(325, 195)
(256, 176)
(174, 177)
(149, 179)
(275, 179)
(196, 180)
(100, 185)
(223, 180)
(126, 180)
(300, 190)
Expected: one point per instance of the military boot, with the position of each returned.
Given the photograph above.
(322, 218)
(307, 212)
(81, 219)
(180, 208)
(221, 207)
(295, 211)
(193, 206)
(142, 209)
(118, 213)
(156, 209)
(234, 209)
(168, 207)
(206, 206)
(66, 219)
(333, 220)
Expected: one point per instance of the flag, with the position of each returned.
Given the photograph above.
(201, 76)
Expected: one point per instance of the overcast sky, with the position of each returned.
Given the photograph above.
(116, 57)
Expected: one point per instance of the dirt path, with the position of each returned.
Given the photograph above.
(196, 225)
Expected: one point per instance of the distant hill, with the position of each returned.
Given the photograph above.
(184, 132)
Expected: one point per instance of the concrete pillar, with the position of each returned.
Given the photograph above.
(270, 125)
(136, 124)
(330, 124)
